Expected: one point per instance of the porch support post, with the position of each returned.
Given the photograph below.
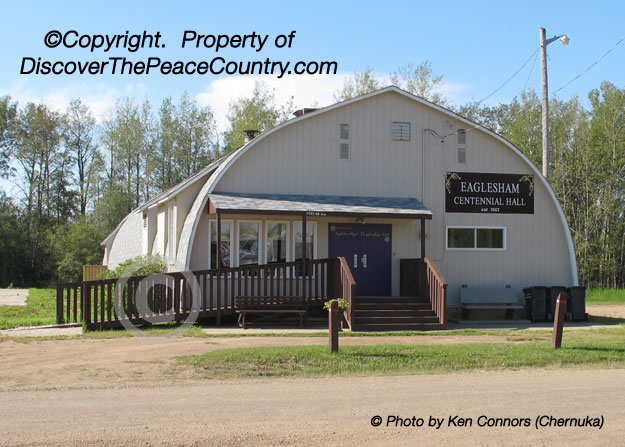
(422, 238)
(218, 262)
(304, 268)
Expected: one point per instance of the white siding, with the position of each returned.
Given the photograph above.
(127, 242)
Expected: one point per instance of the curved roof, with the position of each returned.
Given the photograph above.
(166, 195)
(192, 220)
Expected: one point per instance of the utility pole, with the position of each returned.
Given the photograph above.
(543, 59)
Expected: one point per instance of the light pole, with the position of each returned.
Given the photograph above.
(543, 58)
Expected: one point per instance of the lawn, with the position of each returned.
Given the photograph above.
(605, 296)
(594, 348)
(40, 309)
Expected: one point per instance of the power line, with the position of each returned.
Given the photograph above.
(510, 78)
(531, 71)
(591, 65)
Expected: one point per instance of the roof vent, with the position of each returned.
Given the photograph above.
(250, 134)
(304, 111)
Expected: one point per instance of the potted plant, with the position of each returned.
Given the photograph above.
(342, 305)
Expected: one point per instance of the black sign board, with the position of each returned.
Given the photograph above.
(480, 192)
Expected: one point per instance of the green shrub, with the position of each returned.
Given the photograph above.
(139, 266)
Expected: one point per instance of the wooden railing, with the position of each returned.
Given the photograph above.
(421, 277)
(174, 296)
(437, 287)
(348, 291)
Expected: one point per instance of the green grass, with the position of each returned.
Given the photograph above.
(40, 309)
(605, 349)
(605, 296)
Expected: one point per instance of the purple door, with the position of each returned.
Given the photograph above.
(367, 249)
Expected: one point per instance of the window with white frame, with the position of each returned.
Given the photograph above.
(225, 250)
(249, 242)
(476, 238)
(311, 240)
(172, 232)
(276, 241)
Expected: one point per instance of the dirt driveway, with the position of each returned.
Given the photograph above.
(145, 361)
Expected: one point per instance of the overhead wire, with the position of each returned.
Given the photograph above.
(535, 56)
(510, 78)
(591, 65)
(531, 71)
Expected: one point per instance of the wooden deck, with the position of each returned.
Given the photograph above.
(210, 294)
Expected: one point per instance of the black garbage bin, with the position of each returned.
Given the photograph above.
(535, 303)
(554, 291)
(577, 303)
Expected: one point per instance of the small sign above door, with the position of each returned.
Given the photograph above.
(478, 192)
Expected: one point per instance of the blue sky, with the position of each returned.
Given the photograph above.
(476, 46)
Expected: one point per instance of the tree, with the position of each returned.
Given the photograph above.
(38, 153)
(80, 141)
(358, 84)
(420, 80)
(608, 148)
(12, 242)
(128, 136)
(165, 175)
(75, 245)
(8, 128)
(258, 112)
(195, 136)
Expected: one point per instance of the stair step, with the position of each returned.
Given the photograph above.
(395, 320)
(394, 312)
(399, 327)
(391, 299)
(393, 306)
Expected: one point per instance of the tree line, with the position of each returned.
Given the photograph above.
(77, 178)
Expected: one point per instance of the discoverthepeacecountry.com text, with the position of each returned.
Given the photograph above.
(152, 64)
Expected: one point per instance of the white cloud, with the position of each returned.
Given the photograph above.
(99, 97)
(306, 90)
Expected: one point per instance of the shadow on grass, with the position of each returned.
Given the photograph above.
(596, 348)
(606, 320)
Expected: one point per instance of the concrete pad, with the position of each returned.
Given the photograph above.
(43, 331)
(13, 297)
(520, 324)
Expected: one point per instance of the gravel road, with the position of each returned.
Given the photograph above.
(323, 411)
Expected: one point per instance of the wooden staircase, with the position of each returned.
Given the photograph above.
(395, 313)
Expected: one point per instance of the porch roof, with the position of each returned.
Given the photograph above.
(318, 205)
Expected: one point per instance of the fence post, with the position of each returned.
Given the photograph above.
(86, 316)
(333, 323)
(59, 304)
(558, 321)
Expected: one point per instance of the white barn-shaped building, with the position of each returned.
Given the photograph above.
(377, 179)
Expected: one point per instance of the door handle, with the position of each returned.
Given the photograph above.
(355, 261)
(364, 261)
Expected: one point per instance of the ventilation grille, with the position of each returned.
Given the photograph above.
(462, 136)
(462, 155)
(344, 131)
(344, 151)
(401, 131)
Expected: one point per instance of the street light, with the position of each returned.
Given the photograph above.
(564, 40)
